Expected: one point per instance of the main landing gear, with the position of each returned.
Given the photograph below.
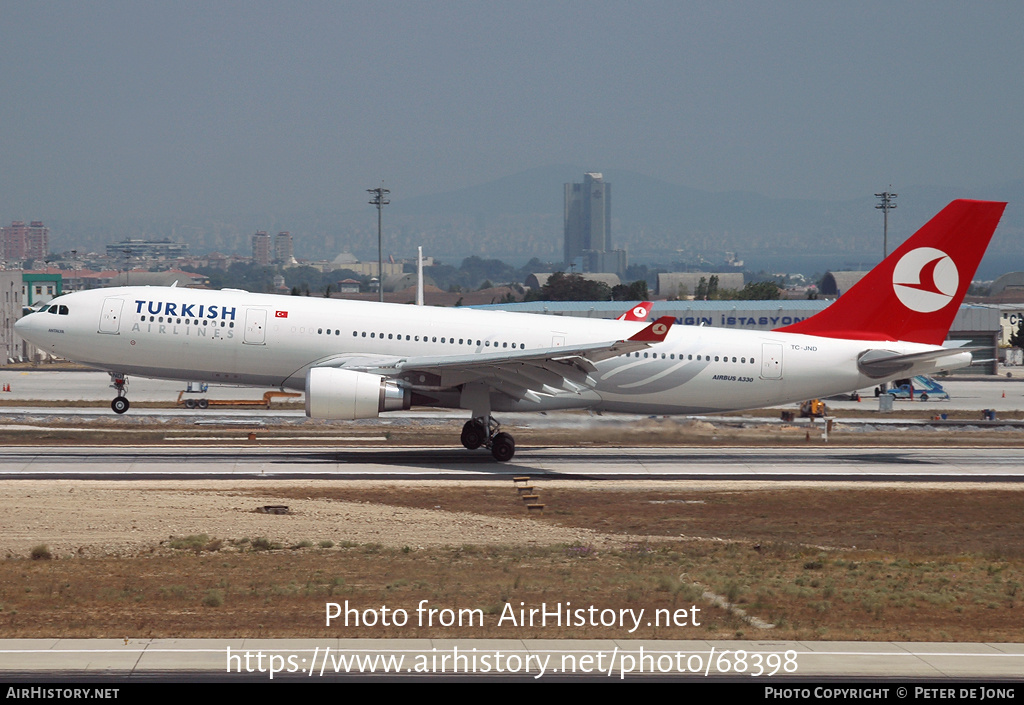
(483, 431)
(120, 403)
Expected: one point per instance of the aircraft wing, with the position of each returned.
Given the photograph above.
(521, 374)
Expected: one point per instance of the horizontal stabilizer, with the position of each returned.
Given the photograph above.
(883, 363)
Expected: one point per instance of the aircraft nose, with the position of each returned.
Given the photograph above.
(24, 326)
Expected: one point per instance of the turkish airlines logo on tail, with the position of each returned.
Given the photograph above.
(925, 279)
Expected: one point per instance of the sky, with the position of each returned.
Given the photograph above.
(157, 109)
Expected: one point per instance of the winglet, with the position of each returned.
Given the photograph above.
(638, 312)
(656, 332)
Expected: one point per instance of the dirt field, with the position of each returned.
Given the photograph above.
(865, 561)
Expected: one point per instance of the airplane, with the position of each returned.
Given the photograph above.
(356, 360)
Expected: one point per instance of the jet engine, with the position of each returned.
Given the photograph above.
(333, 393)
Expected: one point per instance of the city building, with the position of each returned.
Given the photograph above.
(588, 215)
(21, 242)
(11, 346)
(261, 248)
(588, 223)
(39, 287)
(133, 249)
(283, 248)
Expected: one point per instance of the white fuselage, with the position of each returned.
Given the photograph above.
(235, 337)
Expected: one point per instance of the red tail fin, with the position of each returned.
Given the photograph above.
(637, 313)
(916, 291)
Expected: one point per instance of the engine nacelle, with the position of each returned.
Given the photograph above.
(333, 393)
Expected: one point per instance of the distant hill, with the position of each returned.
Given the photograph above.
(518, 217)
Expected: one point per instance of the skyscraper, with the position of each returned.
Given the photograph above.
(588, 226)
(588, 216)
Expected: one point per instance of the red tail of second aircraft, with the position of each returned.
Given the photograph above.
(916, 291)
(637, 313)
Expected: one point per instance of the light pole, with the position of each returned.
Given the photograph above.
(380, 199)
(887, 204)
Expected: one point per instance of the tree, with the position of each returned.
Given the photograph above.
(760, 291)
(636, 291)
(1016, 338)
(573, 287)
(702, 290)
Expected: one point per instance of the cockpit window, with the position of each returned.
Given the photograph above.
(63, 310)
(43, 309)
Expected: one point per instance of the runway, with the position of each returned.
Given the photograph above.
(303, 462)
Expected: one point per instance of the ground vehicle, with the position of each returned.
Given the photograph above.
(921, 387)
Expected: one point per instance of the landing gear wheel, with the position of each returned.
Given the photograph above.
(503, 447)
(473, 434)
(119, 405)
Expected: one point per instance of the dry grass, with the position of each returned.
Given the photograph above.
(877, 564)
